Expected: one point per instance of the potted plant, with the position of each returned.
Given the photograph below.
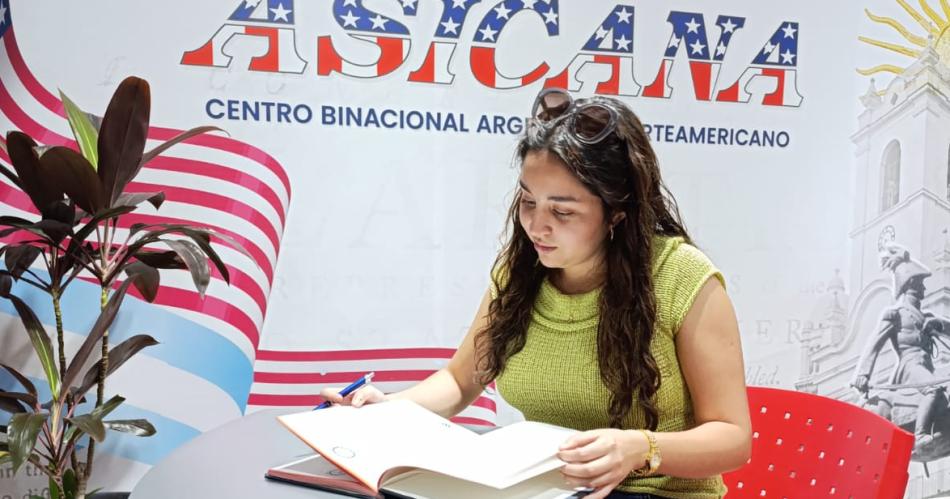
(80, 198)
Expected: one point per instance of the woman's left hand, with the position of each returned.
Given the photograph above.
(601, 459)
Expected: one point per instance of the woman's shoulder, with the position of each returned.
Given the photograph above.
(680, 270)
(674, 254)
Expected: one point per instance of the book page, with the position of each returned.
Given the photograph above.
(519, 451)
(368, 441)
(429, 485)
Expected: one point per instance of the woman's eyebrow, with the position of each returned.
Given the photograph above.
(563, 199)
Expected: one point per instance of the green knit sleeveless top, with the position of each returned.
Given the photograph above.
(555, 377)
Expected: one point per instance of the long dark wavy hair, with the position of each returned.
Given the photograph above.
(623, 171)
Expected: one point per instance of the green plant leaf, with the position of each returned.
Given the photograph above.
(147, 279)
(54, 492)
(137, 427)
(33, 181)
(150, 155)
(40, 340)
(70, 484)
(117, 356)
(106, 316)
(86, 134)
(21, 436)
(136, 198)
(19, 257)
(76, 177)
(91, 424)
(195, 260)
(88, 424)
(122, 136)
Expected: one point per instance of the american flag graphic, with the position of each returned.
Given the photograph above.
(203, 372)
(705, 61)
(271, 11)
(482, 56)
(777, 60)
(611, 44)
(435, 68)
(391, 36)
(255, 18)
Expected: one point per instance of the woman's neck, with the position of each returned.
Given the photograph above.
(575, 281)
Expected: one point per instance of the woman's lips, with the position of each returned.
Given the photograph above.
(540, 248)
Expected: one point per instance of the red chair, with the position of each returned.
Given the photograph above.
(809, 446)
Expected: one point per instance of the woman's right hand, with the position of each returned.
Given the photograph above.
(368, 394)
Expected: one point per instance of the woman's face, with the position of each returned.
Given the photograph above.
(564, 220)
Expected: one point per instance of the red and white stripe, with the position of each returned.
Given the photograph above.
(435, 68)
(393, 51)
(247, 200)
(620, 82)
(486, 71)
(294, 379)
(785, 93)
(281, 55)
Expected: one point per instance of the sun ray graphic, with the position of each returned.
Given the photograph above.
(936, 33)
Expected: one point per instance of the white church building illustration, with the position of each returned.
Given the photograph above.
(901, 195)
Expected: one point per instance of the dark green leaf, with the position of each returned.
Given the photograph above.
(70, 484)
(40, 340)
(205, 246)
(15, 221)
(23, 380)
(10, 404)
(160, 259)
(55, 230)
(176, 139)
(80, 236)
(122, 136)
(117, 356)
(76, 177)
(26, 162)
(86, 134)
(195, 260)
(21, 436)
(54, 490)
(137, 427)
(147, 279)
(28, 398)
(6, 172)
(19, 258)
(91, 424)
(106, 316)
(6, 284)
(134, 199)
(228, 240)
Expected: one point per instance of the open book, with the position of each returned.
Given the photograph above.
(405, 450)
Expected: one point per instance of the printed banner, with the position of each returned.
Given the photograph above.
(369, 161)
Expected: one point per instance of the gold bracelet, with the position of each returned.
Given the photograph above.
(651, 457)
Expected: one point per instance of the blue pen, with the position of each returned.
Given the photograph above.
(349, 389)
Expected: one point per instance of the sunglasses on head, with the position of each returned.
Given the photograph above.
(589, 122)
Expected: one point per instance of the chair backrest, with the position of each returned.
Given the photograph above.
(809, 446)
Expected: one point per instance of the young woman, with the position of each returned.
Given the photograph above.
(603, 317)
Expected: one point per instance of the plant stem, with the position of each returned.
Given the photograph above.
(59, 332)
(101, 385)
